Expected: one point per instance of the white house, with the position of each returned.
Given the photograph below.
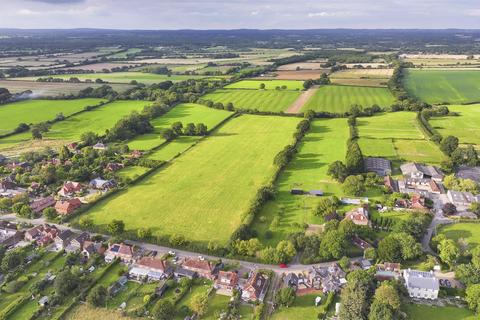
(420, 284)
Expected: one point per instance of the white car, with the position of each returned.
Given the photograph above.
(201, 258)
(171, 252)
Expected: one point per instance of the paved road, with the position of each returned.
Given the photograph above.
(161, 250)
(438, 219)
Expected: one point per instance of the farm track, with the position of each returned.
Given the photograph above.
(301, 100)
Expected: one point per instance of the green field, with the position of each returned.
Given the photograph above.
(263, 100)
(68, 130)
(269, 84)
(185, 113)
(396, 136)
(132, 172)
(444, 86)
(209, 186)
(324, 144)
(36, 111)
(465, 126)
(302, 308)
(127, 77)
(339, 99)
(423, 312)
(470, 232)
(173, 148)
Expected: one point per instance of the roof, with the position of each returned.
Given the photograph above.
(82, 237)
(121, 249)
(228, 278)
(411, 167)
(152, 263)
(421, 280)
(64, 235)
(68, 205)
(185, 272)
(256, 283)
(461, 196)
(374, 164)
(198, 264)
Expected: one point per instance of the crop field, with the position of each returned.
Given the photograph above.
(211, 184)
(36, 111)
(269, 84)
(292, 75)
(470, 232)
(307, 65)
(362, 77)
(45, 89)
(339, 99)
(262, 100)
(70, 129)
(99, 67)
(127, 77)
(185, 113)
(396, 137)
(465, 126)
(325, 143)
(444, 86)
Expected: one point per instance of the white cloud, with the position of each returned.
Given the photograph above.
(319, 14)
(473, 13)
(254, 13)
(27, 12)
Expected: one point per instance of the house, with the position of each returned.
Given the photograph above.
(70, 189)
(461, 198)
(291, 280)
(117, 286)
(388, 271)
(472, 173)
(9, 235)
(420, 284)
(255, 288)
(410, 185)
(136, 154)
(63, 239)
(113, 166)
(90, 248)
(390, 184)
(42, 235)
(226, 282)
(76, 243)
(184, 273)
(380, 166)
(150, 268)
(329, 279)
(38, 205)
(359, 216)
(204, 268)
(417, 202)
(99, 146)
(122, 251)
(420, 171)
(65, 207)
(101, 184)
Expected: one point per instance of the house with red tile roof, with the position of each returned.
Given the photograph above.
(42, 235)
(122, 251)
(359, 216)
(66, 207)
(70, 189)
(150, 268)
(255, 288)
(226, 282)
(203, 268)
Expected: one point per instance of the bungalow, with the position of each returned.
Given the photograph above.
(226, 282)
(420, 171)
(63, 239)
(359, 216)
(255, 288)
(76, 244)
(101, 184)
(68, 206)
(150, 268)
(420, 284)
(70, 189)
(90, 248)
(122, 251)
(380, 166)
(113, 166)
(204, 268)
(38, 205)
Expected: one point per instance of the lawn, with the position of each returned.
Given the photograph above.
(216, 305)
(302, 308)
(262, 100)
(185, 113)
(339, 99)
(209, 186)
(324, 144)
(199, 287)
(173, 148)
(36, 111)
(127, 77)
(97, 120)
(396, 136)
(470, 232)
(465, 126)
(269, 84)
(421, 312)
(132, 172)
(86, 312)
(444, 86)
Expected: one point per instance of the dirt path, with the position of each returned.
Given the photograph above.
(301, 100)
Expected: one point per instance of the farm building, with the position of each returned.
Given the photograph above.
(380, 166)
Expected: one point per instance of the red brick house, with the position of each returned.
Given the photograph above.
(42, 235)
(204, 268)
(70, 188)
(255, 288)
(226, 282)
(68, 206)
(38, 205)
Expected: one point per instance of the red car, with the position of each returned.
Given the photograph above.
(283, 265)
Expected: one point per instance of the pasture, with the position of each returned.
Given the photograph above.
(324, 143)
(443, 86)
(362, 77)
(339, 99)
(209, 187)
(470, 232)
(36, 111)
(269, 84)
(396, 136)
(420, 311)
(465, 126)
(262, 100)
(173, 148)
(185, 113)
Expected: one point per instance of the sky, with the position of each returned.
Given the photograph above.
(239, 14)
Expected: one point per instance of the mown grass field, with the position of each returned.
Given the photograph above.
(465, 126)
(339, 99)
(324, 144)
(173, 148)
(443, 86)
(396, 136)
(185, 113)
(132, 172)
(302, 308)
(204, 193)
(362, 77)
(470, 232)
(127, 77)
(263, 100)
(421, 312)
(36, 111)
(97, 120)
(269, 84)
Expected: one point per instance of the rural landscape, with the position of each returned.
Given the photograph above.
(229, 173)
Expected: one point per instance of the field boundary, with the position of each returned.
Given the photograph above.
(302, 99)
